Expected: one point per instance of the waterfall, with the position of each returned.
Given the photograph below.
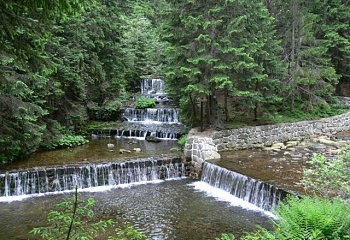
(64, 178)
(262, 195)
(152, 86)
(164, 115)
(162, 121)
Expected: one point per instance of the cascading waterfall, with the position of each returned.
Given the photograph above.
(161, 122)
(43, 180)
(152, 86)
(163, 115)
(261, 194)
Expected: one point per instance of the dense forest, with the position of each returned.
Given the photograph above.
(65, 63)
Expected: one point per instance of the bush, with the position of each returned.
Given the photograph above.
(308, 218)
(143, 102)
(73, 219)
(182, 141)
(70, 220)
(66, 140)
(328, 177)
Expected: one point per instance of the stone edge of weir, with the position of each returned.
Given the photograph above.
(206, 145)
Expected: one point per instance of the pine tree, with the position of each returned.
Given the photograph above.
(333, 29)
(225, 45)
(311, 75)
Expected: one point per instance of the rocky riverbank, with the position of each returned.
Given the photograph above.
(329, 145)
(299, 140)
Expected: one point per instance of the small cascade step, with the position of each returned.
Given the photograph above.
(57, 179)
(152, 86)
(163, 115)
(160, 122)
(261, 194)
(142, 130)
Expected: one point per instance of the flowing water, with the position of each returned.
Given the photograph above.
(178, 208)
(278, 170)
(136, 186)
(174, 209)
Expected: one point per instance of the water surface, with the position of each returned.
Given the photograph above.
(172, 209)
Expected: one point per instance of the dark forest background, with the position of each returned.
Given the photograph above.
(64, 64)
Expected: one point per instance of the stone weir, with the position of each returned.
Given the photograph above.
(256, 192)
(203, 146)
(142, 130)
(63, 178)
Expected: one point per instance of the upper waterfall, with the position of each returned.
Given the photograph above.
(163, 115)
(152, 86)
(161, 121)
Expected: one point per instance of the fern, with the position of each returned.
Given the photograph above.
(308, 219)
(313, 218)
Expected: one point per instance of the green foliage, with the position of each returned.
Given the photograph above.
(226, 236)
(308, 218)
(328, 177)
(182, 141)
(215, 47)
(69, 141)
(127, 232)
(144, 102)
(74, 219)
(109, 111)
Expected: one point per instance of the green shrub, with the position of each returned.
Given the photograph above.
(66, 140)
(308, 218)
(226, 236)
(74, 219)
(182, 141)
(143, 102)
(70, 220)
(328, 177)
(70, 141)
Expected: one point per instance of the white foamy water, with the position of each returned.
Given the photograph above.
(221, 195)
(91, 189)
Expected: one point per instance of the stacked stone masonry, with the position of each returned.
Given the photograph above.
(200, 148)
(260, 136)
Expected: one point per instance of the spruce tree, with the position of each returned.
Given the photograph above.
(223, 45)
(311, 75)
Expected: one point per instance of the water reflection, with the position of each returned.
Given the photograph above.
(277, 169)
(166, 210)
(97, 151)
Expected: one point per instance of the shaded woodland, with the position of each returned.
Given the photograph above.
(64, 64)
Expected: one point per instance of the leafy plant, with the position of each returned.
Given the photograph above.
(66, 140)
(182, 141)
(73, 219)
(328, 177)
(143, 102)
(226, 236)
(308, 218)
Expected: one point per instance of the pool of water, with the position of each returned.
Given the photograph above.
(97, 151)
(277, 169)
(174, 209)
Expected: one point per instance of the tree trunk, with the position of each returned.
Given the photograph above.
(293, 63)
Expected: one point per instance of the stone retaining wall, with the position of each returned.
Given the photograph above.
(202, 146)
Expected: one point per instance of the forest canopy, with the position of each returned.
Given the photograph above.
(65, 63)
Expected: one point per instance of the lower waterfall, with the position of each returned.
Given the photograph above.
(262, 195)
(63, 178)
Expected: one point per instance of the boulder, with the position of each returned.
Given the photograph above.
(152, 139)
(110, 145)
(137, 149)
(122, 150)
